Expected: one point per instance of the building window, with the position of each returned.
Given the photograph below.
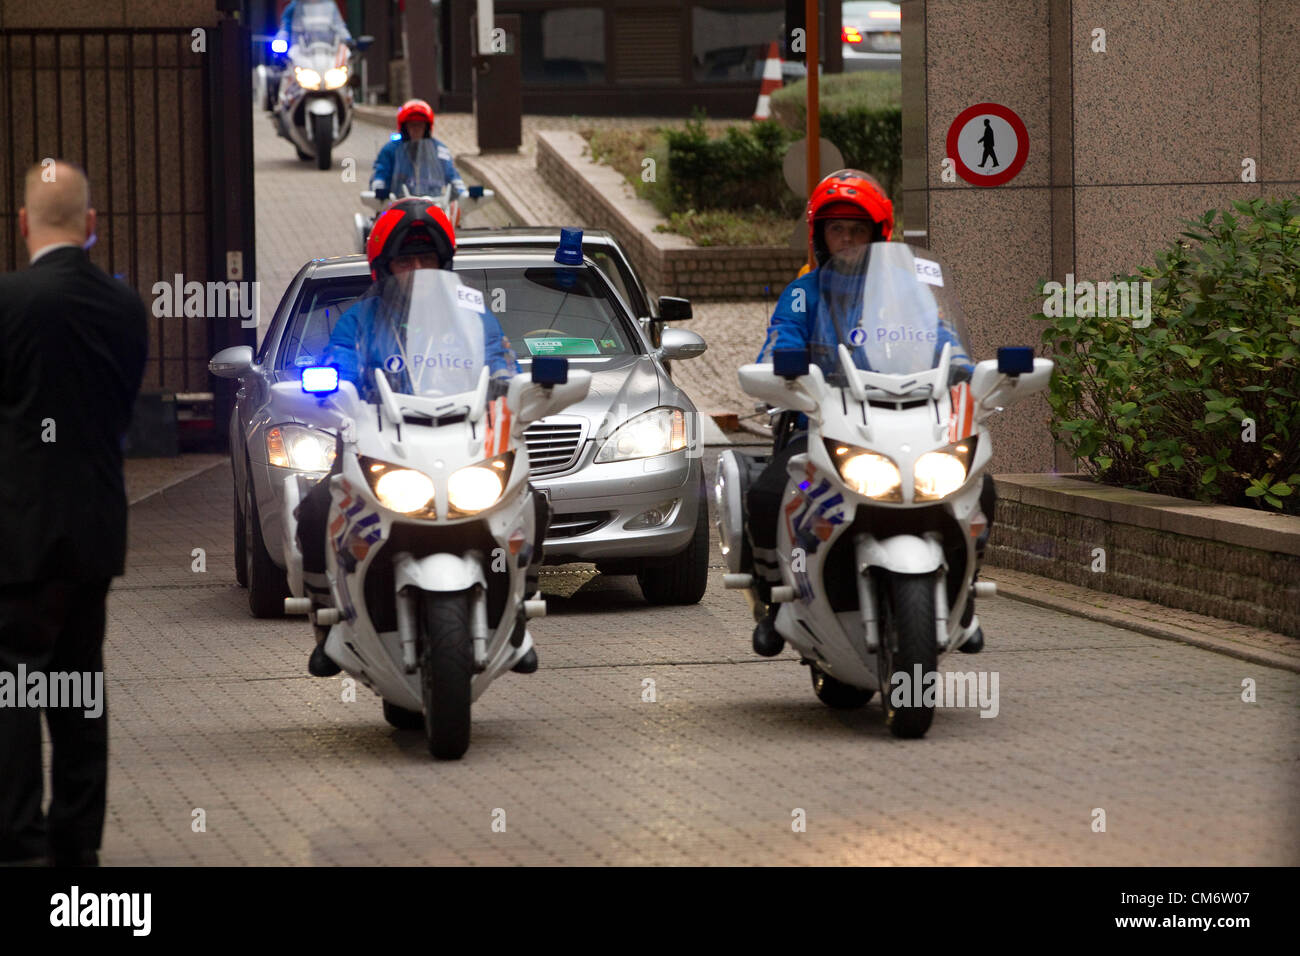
(562, 46)
(729, 46)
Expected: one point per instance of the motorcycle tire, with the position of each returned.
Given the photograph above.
(322, 136)
(446, 669)
(401, 718)
(910, 617)
(268, 585)
(837, 694)
(686, 577)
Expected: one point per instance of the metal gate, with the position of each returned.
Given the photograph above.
(147, 113)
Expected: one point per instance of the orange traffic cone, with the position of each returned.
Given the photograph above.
(771, 82)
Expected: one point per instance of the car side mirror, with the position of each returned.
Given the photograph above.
(674, 309)
(233, 362)
(680, 344)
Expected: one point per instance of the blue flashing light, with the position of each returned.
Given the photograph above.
(320, 379)
(805, 485)
(569, 251)
(396, 137)
(279, 45)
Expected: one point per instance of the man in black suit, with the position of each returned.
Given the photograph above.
(72, 351)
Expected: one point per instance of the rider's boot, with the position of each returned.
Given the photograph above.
(317, 588)
(767, 574)
(975, 642)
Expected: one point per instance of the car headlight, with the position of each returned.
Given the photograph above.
(939, 473)
(476, 487)
(867, 473)
(656, 432)
(308, 79)
(336, 77)
(300, 448)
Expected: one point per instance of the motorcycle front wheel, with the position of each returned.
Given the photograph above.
(910, 617)
(322, 136)
(446, 669)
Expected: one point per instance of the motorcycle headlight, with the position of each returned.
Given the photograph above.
(476, 487)
(867, 473)
(300, 448)
(308, 79)
(336, 77)
(940, 473)
(398, 488)
(656, 432)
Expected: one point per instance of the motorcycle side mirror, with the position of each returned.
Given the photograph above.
(790, 363)
(1015, 360)
(550, 370)
(530, 401)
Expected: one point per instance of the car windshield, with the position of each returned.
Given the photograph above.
(893, 306)
(417, 171)
(583, 316)
(317, 21)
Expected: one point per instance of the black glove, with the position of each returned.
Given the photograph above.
(381, 194)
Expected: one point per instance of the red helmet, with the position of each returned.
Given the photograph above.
(410, 227)
(414, 109)
(848, 194)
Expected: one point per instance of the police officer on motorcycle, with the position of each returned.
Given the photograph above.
(848, 209)
(413, 234)
(414, 123)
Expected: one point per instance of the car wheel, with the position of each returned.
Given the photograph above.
(241, 542)
(268, 585)
(683, 579)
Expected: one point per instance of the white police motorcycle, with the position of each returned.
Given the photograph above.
(312, 103)
(430, 529)
(876, 534)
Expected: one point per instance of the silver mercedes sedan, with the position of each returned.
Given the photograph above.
(622, 470)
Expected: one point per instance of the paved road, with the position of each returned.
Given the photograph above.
(211, 710)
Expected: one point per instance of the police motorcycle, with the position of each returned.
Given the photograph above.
(312, 102)
(878, 527)
(430, 530)
(417, 171)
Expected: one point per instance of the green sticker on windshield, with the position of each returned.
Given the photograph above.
(562, 346)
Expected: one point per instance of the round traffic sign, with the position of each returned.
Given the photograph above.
(795, 164)
(988, 144)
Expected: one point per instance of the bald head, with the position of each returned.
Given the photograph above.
(56, 207)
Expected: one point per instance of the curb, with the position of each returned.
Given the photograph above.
(1168, 632)
(505, 194)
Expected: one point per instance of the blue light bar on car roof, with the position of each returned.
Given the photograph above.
(569, 251)
(320, 379)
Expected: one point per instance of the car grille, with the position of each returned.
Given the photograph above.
(553, 444)
(572, 525)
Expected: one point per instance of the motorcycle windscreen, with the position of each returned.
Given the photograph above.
(316, 21)
(429, 335)
(417, 170)
(894, 306)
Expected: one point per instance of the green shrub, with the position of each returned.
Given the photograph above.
(740, 170)
(1167, 408)
(861, 113)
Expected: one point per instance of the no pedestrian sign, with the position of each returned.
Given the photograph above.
(988, 144)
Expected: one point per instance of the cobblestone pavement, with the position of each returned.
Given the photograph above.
(213, 710)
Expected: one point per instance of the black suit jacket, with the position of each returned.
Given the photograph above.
(72, 350)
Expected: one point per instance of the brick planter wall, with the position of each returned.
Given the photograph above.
(668, 264)
(1231, 563)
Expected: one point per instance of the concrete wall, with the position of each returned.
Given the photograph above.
(1123, 146)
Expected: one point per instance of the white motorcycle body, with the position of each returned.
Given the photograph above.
(390, 570)
(846, 556)
(316, 119)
